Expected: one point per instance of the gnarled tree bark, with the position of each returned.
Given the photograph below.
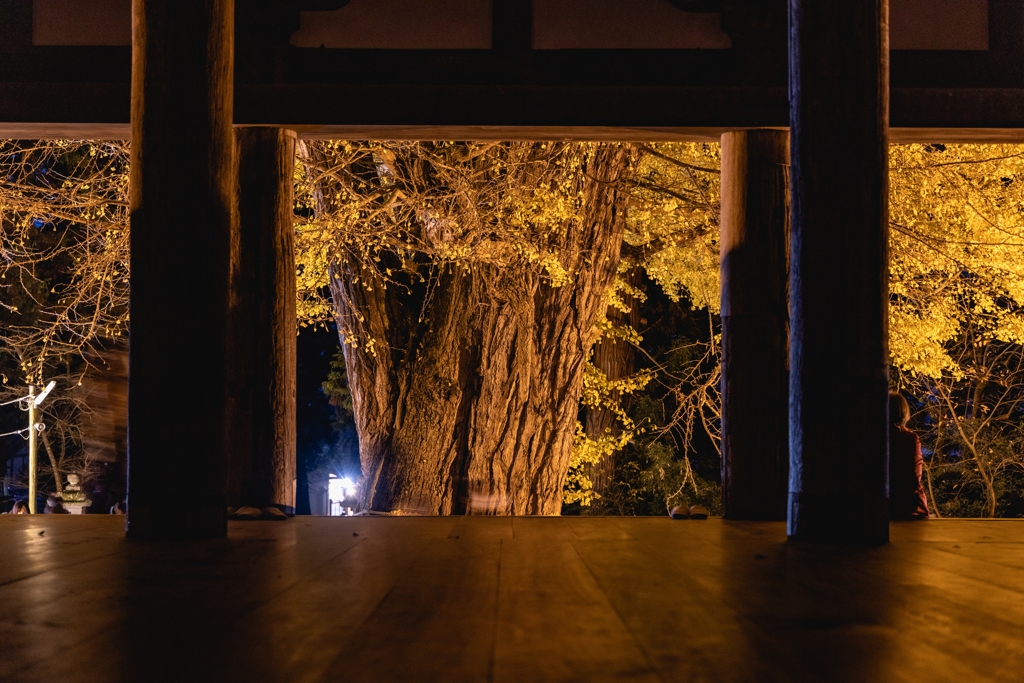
(469, 404)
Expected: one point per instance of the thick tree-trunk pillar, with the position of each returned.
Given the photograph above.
(839, 117)
(182, 194)
(755, 377)
(261, 439)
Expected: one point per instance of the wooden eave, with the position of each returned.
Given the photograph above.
(949, 96)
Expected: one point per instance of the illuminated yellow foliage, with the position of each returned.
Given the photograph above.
(957, 250)
(64, 247)
(435, 206)
(673, 220)
(672, 233)
(587, 450)
(956, 253)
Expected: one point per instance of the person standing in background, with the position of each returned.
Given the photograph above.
(907, 499)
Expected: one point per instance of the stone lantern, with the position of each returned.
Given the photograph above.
(75, 500)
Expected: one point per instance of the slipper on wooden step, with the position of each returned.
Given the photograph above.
(246, 512)
(273, 514)
(698, 512)
(679, 512)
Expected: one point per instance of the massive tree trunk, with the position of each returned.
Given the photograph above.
(466, 399)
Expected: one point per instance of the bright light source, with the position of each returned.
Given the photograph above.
(340, 491)
(340, 488)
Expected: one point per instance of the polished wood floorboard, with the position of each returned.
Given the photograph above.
(508, 600)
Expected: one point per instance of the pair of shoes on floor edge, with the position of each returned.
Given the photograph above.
(692, 512)
(251, 513)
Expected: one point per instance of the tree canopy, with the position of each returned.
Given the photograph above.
(63, 280)
(503, 221)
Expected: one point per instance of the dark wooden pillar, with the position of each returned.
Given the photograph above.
(839, 116)
(755, 377)
(262, 359)
(182, 194)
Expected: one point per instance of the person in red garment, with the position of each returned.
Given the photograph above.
(907, 499)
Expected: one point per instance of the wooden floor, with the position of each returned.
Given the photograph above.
(508, 599)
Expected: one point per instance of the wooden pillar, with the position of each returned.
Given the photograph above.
(261, 442)
(839, 117)
(755, 376)
(182, 197)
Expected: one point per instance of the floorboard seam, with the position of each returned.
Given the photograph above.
(60, 568)
(620, 528)
(747, 620)
(618, 615)
(387, 594)
(296, 582)
(492, 664)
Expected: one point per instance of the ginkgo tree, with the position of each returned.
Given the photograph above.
(671, 244)
(466, 280)
(471, 282)
(63, 279)
(957, 318)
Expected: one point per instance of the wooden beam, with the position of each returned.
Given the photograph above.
(182, 198)
(84, 110)
(122, 131)
(513, 105)
(261, 395)
(755, 383)
(839, 272)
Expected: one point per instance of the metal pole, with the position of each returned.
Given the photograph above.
(32, 445)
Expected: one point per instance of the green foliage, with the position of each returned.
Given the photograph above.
(652, 479)
(976, 473)
(675, 459)
(336, 388)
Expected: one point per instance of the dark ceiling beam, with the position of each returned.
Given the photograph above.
(767, 68)
(957, 95)
(101, 110)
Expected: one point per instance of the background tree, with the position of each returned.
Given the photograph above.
(957, 318)
(466, 280)
(649, 437)
(63, 282)
(957, 273)
(482, 241)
